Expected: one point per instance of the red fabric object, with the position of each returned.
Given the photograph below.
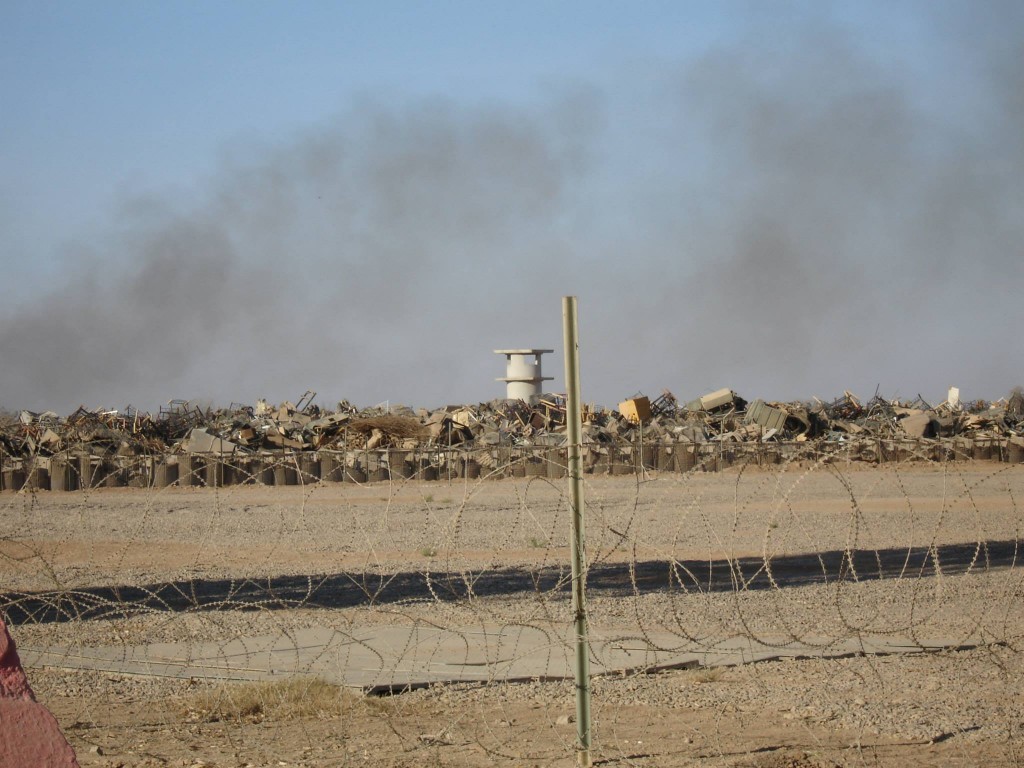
(29, 734)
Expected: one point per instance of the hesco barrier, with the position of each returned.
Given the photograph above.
(71, 472)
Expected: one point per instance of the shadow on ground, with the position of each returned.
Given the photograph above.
(363, 588)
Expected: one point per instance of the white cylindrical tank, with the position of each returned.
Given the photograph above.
(523, 377)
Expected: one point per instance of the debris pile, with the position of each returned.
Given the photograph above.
(640, 434)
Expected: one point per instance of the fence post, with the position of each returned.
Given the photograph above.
(574, 423)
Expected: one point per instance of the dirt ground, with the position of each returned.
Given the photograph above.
(154, 725)
(822, 551)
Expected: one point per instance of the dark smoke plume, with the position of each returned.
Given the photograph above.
(367, 260)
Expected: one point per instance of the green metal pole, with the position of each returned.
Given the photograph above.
(574, 423)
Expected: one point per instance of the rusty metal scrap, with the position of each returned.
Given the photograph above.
(722, 417)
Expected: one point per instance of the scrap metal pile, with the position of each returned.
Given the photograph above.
(720, 418)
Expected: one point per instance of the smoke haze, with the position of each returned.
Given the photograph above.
(788, 215)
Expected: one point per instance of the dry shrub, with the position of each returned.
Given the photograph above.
(285, 700)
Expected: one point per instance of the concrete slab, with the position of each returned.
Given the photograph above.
(398, 657)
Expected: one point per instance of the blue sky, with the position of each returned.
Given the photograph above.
(109, 100)
(374, 196)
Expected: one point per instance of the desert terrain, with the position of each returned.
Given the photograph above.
(808, 555)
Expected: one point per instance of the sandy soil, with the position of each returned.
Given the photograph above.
(823, 551)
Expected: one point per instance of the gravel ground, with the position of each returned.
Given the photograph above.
(968, 702)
